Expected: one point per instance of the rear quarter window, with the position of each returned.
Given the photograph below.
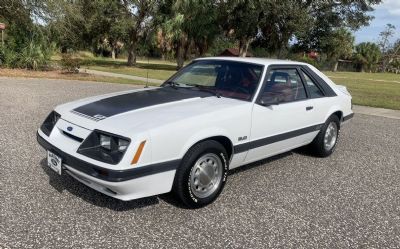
(313, 89)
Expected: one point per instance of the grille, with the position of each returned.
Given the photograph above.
(73, 137)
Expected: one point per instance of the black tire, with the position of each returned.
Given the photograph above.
(317, 145)
(182, 188)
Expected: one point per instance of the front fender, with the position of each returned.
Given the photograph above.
(203, 135)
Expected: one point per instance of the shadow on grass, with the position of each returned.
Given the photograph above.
(120, 64)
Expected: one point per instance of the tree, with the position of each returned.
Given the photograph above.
(384, 45)
(139, 14)
(338, 45)
(240, 19)
(328, 16)
(274, 23)
(107, 25)
(68, 24)
(367, 56)
(280, 20)
(187, 23)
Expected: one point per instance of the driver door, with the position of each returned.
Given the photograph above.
(282, 115)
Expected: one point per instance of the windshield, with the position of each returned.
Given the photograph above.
(223, 78)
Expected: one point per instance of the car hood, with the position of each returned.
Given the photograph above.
(143, 109)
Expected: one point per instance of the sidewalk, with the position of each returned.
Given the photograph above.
(125, 76)
(381, 112)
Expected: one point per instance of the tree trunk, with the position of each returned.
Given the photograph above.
(186, 50)
(180, 53)
(335, 66)
(244, 44)
(242, 47)
(113, 53)
(132, 54)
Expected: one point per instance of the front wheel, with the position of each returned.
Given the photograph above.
(202, 174)
(325, 142)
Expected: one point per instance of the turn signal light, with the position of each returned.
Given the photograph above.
(138, 153)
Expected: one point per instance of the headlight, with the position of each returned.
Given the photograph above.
(50, 122)
(104, 147)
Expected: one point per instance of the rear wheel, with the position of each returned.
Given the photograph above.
(202, 174)
(325, 142)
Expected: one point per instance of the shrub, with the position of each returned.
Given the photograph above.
(260, 52)
(305, 59)
(70, 62)
(33, 56)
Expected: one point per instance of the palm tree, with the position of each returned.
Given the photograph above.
(187, 23)
(367, 56)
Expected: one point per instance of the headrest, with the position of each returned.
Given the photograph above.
(280, 74)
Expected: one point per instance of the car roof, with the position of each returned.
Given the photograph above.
(262, 61)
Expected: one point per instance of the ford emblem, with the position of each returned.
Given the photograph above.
(69, 128)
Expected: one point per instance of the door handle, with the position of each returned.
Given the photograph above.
(308, 108)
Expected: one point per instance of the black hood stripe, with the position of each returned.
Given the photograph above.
(111, 106)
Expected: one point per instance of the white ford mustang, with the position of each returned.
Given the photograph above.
(214, 115)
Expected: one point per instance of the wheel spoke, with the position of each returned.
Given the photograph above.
(206, 175)
(330, 136)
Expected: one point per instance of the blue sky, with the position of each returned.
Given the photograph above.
(387, 12)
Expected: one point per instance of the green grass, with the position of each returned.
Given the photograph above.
(154, 69)
(371, 89)
(159, 74)
(121, 81)
(364, 76)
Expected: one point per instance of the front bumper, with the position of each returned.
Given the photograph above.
(122, 184)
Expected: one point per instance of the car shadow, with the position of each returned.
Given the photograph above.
(304, 151)
(260, 163)
(67, 183)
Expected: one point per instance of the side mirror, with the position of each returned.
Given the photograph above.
(269, 100)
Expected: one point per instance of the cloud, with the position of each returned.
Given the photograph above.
(392, 7)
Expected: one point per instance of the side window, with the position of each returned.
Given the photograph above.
(315, 92)
(284, 84)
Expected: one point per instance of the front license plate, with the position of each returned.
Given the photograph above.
(54, 162)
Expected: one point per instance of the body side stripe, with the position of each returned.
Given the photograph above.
(276, 138)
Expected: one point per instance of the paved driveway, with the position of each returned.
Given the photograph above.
(351, 199)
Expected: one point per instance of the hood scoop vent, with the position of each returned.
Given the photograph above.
(96, 117)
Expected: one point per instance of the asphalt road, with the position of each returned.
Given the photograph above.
(351, 199)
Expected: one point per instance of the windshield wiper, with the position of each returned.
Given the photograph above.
(207, 89)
